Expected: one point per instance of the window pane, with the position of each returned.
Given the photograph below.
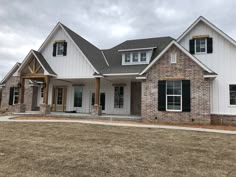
(78, 97)
(232, 90)
(200, 45)
(170, 86)
(60, 48)
(59, 95)
(143, 56)
(174, 102)
(127, 57)
(16, 95)
(119, 97)
(135, 57)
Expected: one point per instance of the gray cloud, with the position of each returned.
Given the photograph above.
(26, 23)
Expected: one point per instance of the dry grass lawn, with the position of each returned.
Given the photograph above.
(79, 150)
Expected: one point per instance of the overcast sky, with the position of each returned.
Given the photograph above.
(25, 24)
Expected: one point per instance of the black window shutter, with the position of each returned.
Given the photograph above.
(11, 96)
(192, 46)
(161, 95)
(209, 45)
(65, 48)
(54, 49)
(186, 96)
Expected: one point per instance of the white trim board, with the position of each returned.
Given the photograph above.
(210, 25)
(183, 50)
(137, 49)
(121, 74)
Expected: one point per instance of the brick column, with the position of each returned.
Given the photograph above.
(21, 107)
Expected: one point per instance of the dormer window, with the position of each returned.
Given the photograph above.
(138, 56)
(135, 57)
(127, 57)
(59, 48)
(143, 57)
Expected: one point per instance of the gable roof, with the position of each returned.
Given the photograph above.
(208, 23)
(10, 73)
(41, 61)
(114, 56)
(92, 54)
(44, 63)
(203, 66)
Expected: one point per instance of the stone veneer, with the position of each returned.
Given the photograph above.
(28, 95)
(184, 69)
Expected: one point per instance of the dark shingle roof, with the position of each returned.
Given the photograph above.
(93, 54)
(114, 57)
(44, 62)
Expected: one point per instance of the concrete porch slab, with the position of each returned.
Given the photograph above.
(82, 115)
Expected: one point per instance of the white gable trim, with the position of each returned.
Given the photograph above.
(10, 73)
(24, 61)
(183, 50)
(211, 26)
(51, 34)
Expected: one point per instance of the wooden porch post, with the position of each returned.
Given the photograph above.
(22, 90)
(46, 89)
(97, 92)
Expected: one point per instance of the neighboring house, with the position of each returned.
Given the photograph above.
(190, 80)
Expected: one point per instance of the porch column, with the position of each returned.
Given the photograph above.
(45, 108)
(97, 107)
(21, 106)
(22, 90)
(46, 89)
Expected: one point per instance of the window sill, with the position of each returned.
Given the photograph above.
(173, 110)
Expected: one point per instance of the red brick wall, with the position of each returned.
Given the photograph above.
(184, 69)
(12, 82)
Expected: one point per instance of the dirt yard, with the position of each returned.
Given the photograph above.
(80, 150)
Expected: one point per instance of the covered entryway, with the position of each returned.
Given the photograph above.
(135, 98)
(34, 69)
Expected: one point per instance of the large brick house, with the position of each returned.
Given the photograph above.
(189, 80)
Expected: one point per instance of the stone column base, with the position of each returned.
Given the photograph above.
(20, 108)
(45, 109)
(97, 110)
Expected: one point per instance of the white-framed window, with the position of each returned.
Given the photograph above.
(15, 95)
(173, 58)
(232, 94)
(143, 56)
(135, 57)
(42, 92)
(174, 95)
(200, 45)
(60, 48)
(127, 57)
(119, 97)
(78, 96)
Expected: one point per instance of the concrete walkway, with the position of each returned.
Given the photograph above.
(7, 119)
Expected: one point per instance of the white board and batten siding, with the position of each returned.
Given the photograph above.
(222, 61)
(73, 65)
(89, 88)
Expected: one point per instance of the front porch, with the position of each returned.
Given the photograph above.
(81, 116)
